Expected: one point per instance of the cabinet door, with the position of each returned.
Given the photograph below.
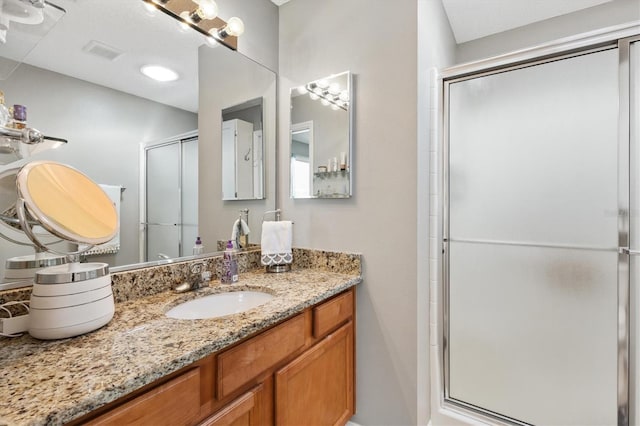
(317, 387)
(177, 402)
(241, 412)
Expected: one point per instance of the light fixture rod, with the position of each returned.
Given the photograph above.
(193, 19)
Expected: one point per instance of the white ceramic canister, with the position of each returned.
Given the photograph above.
(69, 300)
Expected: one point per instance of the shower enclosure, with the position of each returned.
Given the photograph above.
(540, 212)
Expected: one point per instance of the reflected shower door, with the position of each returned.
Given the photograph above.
(189, 195)
(171, 224)
(532, 242)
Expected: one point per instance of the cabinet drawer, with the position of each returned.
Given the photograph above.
(331, 314)
(241, 412)
(246, 361)
(176, 402)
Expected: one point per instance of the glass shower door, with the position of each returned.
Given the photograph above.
(532, 242)
(162, 201)
(171, 225)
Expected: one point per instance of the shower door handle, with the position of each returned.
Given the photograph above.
(625, 250)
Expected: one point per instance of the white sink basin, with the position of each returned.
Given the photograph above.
(219, 305)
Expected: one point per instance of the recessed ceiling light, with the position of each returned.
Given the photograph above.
(159, 73)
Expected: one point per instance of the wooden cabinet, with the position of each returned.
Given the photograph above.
(241, 364)
(244, 411)
(317, 387)
(176, 402)
(298, 372)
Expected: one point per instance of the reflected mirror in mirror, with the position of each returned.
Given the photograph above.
(321, 142)
(242, 159)
(95, 96)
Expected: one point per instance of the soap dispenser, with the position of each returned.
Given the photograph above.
(229, 265)
(198, 248)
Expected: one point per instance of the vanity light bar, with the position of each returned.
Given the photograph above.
(330, 95)
(199, 15)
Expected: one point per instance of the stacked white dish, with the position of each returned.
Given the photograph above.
(70, 299)
(25, 267)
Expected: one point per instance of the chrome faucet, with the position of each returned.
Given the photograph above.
(197, 279)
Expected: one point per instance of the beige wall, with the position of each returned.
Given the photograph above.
(378, 45)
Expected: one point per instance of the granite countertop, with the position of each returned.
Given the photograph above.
(52, 382)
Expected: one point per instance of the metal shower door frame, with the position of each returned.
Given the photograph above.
(620, 38)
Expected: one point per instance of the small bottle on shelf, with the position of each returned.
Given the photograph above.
(198, 248)
(19, 116)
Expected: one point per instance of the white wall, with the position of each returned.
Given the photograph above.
(436, 50)
(593, 18)
(104, 128)
(378, 44)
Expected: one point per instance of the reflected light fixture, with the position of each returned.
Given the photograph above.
(159, 73)
(202, 16)
(328, 94)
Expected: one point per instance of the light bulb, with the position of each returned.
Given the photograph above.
(325, 102)
(301, 90)
(235, 27)
(344, 96)
(335, 107)
(184, 26)
(212, 41)
(314, 96)
(151, 9)
(334, 88)
(317, 91)
(208, 9)
(323, 84)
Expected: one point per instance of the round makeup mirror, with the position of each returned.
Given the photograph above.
(65, 202)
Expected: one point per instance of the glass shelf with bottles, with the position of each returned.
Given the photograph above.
(327, 175)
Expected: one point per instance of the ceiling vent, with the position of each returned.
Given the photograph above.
(102, 50)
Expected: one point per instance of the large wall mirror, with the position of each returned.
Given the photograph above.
(82, 82)
(321, 142)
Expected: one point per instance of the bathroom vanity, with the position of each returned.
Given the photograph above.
(289, 361)
(297, 372)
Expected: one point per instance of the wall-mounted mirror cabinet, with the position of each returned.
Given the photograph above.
(242, 151)
(321, 138)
